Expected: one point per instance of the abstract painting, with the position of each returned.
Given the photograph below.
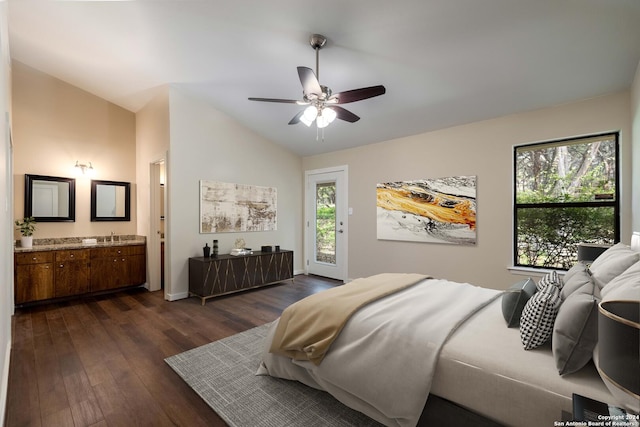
(228, 208)
(440, 210)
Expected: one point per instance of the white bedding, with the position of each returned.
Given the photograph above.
(484, 368)
(374, 358)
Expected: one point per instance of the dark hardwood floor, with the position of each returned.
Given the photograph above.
(100, 361)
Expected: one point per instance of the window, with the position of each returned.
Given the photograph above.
(565, 193)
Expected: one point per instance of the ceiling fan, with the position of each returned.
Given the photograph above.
(323, 105)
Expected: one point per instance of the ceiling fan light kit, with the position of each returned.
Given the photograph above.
(322, 104)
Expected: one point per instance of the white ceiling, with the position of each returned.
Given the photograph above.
(443, 62)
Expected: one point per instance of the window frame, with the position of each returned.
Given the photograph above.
(554, 205)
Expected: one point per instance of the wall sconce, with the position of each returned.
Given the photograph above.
(84, 169)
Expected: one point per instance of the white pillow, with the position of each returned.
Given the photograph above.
(613, 262)
(624, 287)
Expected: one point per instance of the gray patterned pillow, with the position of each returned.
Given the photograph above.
(550, 278)
(538, 317)
(514, 300)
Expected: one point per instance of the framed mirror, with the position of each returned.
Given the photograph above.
(110, 201)
(50, 198)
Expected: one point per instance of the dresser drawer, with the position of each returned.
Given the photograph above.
(34, 257)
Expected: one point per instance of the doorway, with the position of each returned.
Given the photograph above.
(326, 222)
(157, 226)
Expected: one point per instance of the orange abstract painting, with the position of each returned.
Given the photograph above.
(441, 210)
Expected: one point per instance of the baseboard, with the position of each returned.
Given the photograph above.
(5, 383)
(176, 297)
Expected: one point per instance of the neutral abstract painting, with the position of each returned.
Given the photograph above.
(440, 210)
(227, 208)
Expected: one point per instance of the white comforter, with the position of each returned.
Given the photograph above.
(383, 361)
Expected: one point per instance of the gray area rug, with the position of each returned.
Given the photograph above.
(223, 374)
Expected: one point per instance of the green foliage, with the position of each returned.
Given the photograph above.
(326, 222)
(27, 226)
(561, 173)
(326, 212)
(549, 237)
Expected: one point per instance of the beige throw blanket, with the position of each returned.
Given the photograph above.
(307, 328)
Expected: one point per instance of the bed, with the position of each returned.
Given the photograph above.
(393, 355)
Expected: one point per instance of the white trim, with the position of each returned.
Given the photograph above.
(175, 297)
(535, 272)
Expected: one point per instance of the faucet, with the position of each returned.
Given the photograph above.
(112, 233)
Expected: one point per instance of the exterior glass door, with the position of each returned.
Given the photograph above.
(326, 223)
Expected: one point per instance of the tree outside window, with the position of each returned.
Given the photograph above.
(326, 222)
(566, 193)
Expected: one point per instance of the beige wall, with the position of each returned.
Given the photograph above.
(484, 149)
(208, 145)
(56, 124)
(152, 144)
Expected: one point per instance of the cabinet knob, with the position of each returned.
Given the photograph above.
(71, 256)
(34, 258)
(61, 265)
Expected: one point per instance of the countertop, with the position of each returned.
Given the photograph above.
(76, 243)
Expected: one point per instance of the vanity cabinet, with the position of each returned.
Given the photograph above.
(71, 272)
(43, 275)
(117, 267)
(34, 279)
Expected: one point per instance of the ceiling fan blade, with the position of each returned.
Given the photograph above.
(296, 118)
(310, 84)
(284, 101)
(358, 94)
(344, 114)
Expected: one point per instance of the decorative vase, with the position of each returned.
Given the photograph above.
(215, 249)
(26, 241)
(206, 250)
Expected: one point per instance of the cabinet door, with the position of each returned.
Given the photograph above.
(106, 273)
(269, 268)
(284, 265)
(137, 270)
(72, 278)
(33, 282)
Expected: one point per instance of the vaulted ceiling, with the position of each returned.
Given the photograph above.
(443, 62)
